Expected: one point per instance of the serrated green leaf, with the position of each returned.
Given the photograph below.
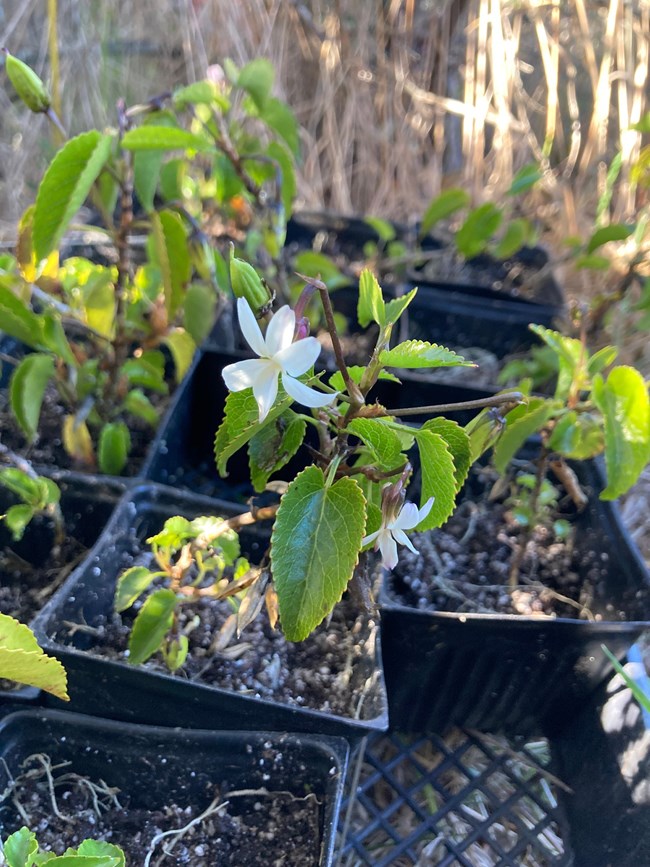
(319, 265)
(132, 584)
(370, 307)
(278, 116)
(623, 401)
(172, 257)
(443, 206)
(613, 232)
(152, 624)
(138, 404)
(113, 448)
(26, 389)
(326, 525)
(84, 861)
(65, 187)
(175, 533)
(397, 306)
(420, 353)
(19, 848)
(524, 180)
(182, 347)
(458, 444)
(577, 436)
(100, 847)
(17, 518)
(256, 78)
(514, 238)
(479, 227)
(241, 423)
(521, 422)
(274, 447)
(146, 172)
(438, 478)
(164, 138)
(22, 660)
(384, 444)
(199, 311)
(571, 356)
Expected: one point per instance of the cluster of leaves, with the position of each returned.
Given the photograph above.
(102, 334)
(38, 495)
(21, 849)
(533, 508)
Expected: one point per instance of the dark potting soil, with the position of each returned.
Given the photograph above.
(257, 829)
(326, 672)
(48, 449)
(465, 565)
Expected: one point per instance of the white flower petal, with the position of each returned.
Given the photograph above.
(244, 374)
(426, 508)
(371, 538)
(407, 519)
(279, 334)
(250, 329)
(297, 358)
(401, 537)
(388, 548)
(305, 395)
(265, 389)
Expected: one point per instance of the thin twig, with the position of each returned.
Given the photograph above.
(514, 397)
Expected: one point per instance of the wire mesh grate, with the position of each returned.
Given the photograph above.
(466, 800)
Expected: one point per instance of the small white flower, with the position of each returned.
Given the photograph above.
(392, 531)
(278, 355)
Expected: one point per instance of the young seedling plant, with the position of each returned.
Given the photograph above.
(350, 498)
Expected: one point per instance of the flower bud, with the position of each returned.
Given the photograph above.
(246, 283)
(27, 84)
(302, 328)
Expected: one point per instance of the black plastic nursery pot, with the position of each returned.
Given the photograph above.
(74, 620)
(153, 767)
(28, 575)
(511, 673)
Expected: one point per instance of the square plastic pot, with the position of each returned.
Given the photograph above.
(115, 689)
(507, 672)
(156, 766)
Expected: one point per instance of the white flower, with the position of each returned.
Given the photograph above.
(278, 355)
(392, 531)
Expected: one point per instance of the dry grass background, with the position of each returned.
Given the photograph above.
(397, 99)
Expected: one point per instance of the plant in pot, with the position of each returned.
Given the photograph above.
(516, 594)
(101, 344)
(350, 496)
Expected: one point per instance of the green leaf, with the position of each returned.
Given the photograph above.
(458, 443)
(257, 78)
(325, 525)
(199, 310)
(421, 353)
(577, 436)
(19, 483)
(521, 422)
(592, 262)
(384, 229)
(601, 359)
(524, 180)
(319, 265)
(164, 138)
(18, 321)
(138, 404)
(515, 237)
(146, 373)
(113, 448)
(571, 358)
(623, 401)
(479, 227)
(271, 449)
(356, 372)
(132, 584)
(384, 444)
(172, 256)
(370, 307)
(283, 158)
(100, 847)
(152, 624)
(146, 172)
(19, 848)
(171, 180)
(438, 478)
(84, 861)
(17, 518)
(613, 232)
(22, 660)
(443, 206)
(395, 308)
(176, 651)
(241, 423)
(279, 117)
(65, 187)
(26, 389)
(99, 302)
(182, 347)
(198, 93)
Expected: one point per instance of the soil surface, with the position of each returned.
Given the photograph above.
(465, 565)
(269, 829)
